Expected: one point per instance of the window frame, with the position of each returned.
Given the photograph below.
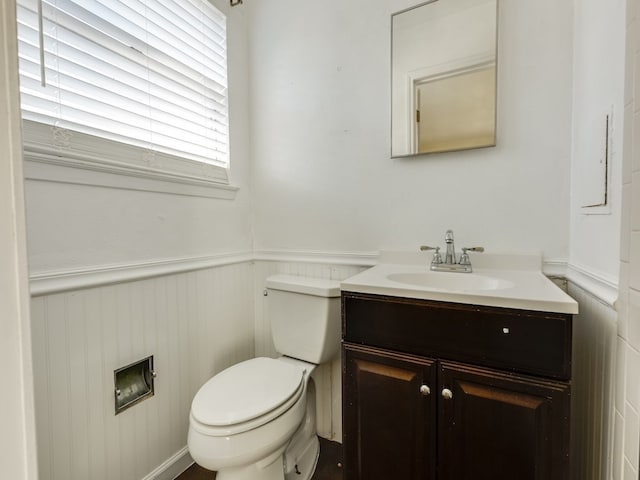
(67, 156)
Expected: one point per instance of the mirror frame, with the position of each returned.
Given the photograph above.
(475, 62)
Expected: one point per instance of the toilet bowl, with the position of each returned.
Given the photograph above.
(256, 419)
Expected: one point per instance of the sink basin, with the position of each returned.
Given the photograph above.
(497, 280)
(450, 281)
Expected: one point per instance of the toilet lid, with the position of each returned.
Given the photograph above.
(245, 391)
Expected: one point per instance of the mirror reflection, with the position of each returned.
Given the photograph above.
(443, 68)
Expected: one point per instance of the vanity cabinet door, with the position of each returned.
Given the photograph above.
(497, 425)
(389, 417)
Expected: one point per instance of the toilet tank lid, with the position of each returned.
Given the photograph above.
(321, 287)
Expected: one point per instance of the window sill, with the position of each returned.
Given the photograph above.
(87, 160)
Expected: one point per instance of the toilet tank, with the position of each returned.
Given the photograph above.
(305, 316)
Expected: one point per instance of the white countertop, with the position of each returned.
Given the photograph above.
(519, 282)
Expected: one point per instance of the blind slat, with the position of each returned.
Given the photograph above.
(82, 37)
(151, 73)
(163, 102)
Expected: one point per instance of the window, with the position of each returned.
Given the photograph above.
(149, 74)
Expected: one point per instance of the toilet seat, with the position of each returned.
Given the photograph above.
(246, 396)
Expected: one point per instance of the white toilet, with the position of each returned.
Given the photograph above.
(256, 420)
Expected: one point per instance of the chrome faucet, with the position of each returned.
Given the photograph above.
(450, 256)
(449, 264)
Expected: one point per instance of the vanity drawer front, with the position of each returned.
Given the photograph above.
(525, 341)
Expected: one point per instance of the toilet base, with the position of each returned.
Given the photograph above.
(272, 471)
(296, 461)
(273, 468)
(307, 462)
(301, 455)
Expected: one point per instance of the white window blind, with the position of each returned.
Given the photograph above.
(148, 73)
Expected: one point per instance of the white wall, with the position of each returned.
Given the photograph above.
(17, 431)
(598, 89)
(74, 227)
(320, 85)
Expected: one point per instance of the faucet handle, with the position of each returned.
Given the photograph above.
(464, 258)
(437, 258)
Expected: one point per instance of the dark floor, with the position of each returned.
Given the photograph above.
(329, 465)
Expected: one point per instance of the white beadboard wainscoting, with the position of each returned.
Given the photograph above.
(199, 321)
(193, 323)
(593, 380)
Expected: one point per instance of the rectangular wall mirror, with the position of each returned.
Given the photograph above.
(443, 77)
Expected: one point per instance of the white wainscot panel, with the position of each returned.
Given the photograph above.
(194, 324)
(593, 376)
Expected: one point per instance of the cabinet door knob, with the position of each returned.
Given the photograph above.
(446, 393)
(425, 390)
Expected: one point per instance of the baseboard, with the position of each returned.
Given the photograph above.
(172, 467)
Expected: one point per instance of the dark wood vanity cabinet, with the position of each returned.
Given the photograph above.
(412, 410)
(389, 425)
